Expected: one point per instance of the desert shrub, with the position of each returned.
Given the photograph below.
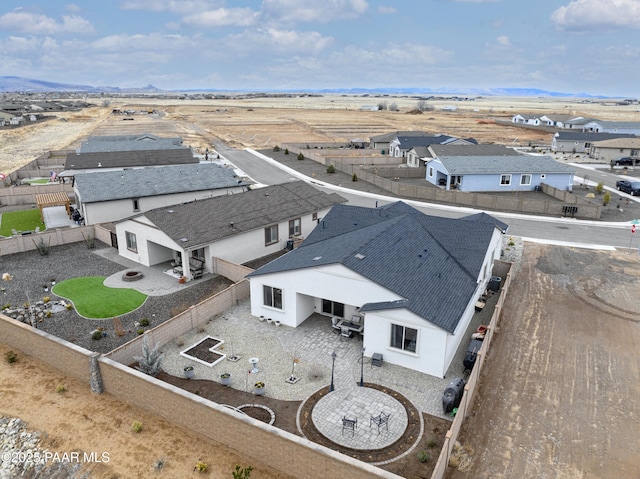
(11, 357)
(68, 306)
(89, 240)
(423, 456)
(144, 322)
(151, 360)
(159, 465)
(48, 314)
(331, 169)
(300, 156)
(42, 247)
(140, 332)
(97, 334)
(432, 443)
(61, 389)
(276, 148)
(354, 177)
(600, 187)
(46, 299)
(201, 466)
(242, 472)
(286, 151)
(606, 198)
(136, 426)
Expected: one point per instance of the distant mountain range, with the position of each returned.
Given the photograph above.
(26, 85)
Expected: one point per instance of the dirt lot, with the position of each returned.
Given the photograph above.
(560, 395)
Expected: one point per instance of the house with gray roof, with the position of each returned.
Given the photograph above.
(145, 141)
(400, 146)
(581, 142)
(498, 173)
(236, 228)
(610, 150)
(107, 196)
(411, 279)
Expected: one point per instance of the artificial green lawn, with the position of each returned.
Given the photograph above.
(25, 220)
(92, 299)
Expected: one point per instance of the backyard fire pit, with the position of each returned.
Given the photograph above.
(132, 276)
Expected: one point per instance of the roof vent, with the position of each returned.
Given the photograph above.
(171, 211)
(359, 256)
(317, 258)
(184, 240)
(231, 224)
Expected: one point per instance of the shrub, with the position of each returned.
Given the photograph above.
(432, 443)
(42, 247)
(97, 334)
(201, 466)
(151, 360)
(61, 389)
(11, 357)
(48, 314)
(600, 187)
(331, 169)
(286, 151)
(423, 456)
(242, 472)
(276, 148)
(300, 156)
(144, 322)
(606, 198)
(46, 299)
(136, 426)
(68, 306)
(140, 332)
(89, 240)
(354, 177)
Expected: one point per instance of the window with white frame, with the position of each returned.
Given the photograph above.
(404, 338)
(132, 244)
(333, 308)
(525, 179)
(431, 172)
(505, 180)
(272, 297)
(271, 235)
(295, 227)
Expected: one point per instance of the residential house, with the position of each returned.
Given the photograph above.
(593, 125)
(106, 196)
(237, 228)
(609, 150)
(145, 141)
(580, 142)
(526, 119)
(381, 142)
(498, 173)
(412, 279)
(401, 145)
(557, 121)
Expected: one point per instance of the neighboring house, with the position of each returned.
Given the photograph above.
(381, 142)
(526, 120)
(6, 115)
(593, 125)
(420, 154)
(557, 121)
(498, 173)
(106, 196)
(401, 145)
(580, 142)
(609, 150)
(77, 162)
(145, 141)
(236, 228)
(414, 279)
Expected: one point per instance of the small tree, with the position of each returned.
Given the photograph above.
(300, 156)
(394, 107)
(276, 148)
(606, 198)
(382, 105)
(151, 359)
(286, 151)
(600, 187)
(242, 472)
(331, 169)
(354, 177)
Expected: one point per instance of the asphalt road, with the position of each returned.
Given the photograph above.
(563, 231)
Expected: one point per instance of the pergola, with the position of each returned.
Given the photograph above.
(45, 200)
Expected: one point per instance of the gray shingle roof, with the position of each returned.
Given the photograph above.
(95, 186)
(588, 136)
(129, 159)
(146, 141)
(431, 262)
(478, 165)
(473, 150)
(387, 137)
(205, 221)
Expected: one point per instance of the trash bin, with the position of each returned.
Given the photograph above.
(290, 245)
(376, 359)
(494, 283)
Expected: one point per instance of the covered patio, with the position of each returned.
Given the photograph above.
(48, 200)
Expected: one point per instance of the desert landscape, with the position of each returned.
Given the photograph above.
(559, 397)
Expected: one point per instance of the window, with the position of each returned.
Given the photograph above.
(271, 234)
(272, 297)
(132, 244)
(136, 204)
(333, 308)
(314, 217)
(404, 338)
(295, 228)
(525, 180)
(431, 172)
(505, 180)
(198, 254)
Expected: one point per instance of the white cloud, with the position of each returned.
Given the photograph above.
(583, 15)
(291, 11)
(38, 24)
(276, 41)
(176, 6)
(221, 17)
(155, 42)
(503, 40)
(386, 10)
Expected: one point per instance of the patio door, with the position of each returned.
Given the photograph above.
(332, 308)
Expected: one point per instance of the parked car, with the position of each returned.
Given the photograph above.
(624, 160)
(631, 187)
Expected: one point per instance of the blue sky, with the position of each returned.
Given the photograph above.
(590, 46)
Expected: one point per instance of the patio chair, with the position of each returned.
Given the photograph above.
(349, 425)
(381, 420)
(345, 333)
(334, 324)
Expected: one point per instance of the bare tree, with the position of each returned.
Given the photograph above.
(423, 105)
(394, 107)
(382, 105)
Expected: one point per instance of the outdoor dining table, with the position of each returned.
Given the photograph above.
(351, 326)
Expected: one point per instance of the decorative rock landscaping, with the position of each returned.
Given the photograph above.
(34, 313)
